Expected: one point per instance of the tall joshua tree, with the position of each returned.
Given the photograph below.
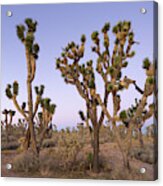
(82, 76)
(109, 66)
(26, 34)
(132, 117)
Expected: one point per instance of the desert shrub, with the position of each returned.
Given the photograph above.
(63, 156)
(26, 162)
(12, 138)
(145, 154)
(49, 164)
(9, 146)
(49, 143)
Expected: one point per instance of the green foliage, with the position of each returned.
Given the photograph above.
(40, 115)
(39, 91)
(83, 38)
(110, 87)
(119, 75)
(90, 158)
(52, 108)
(29, 41)
(91, 84)
(23, 105)
(81, 114)
(132, 54)
(123, 115)
(31, 25)
(94, 35)
(146, 63)
(57, 63)
(42, 87)
(28, 21)
(5, 111)
(20, 32)
(36, 90)
(131, 36)
(8, 92)
(36, 48)
(117, 61)
(150, 80)
(125, 64)
(111, 70)
(126, 26)
(15, 88)
(12, 112)
(115, 29)
(106, 27)
(45, 103)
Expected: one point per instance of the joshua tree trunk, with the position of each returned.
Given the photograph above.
(43, 133)
(140, 137)
(26, 144)
(30, 119)
(96, 150)
(30, 104)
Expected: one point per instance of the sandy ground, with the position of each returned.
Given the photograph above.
(111, 154)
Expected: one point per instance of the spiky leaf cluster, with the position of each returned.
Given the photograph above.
(39, 90)
(10, 112)
(26, 34)
(40, 115)
(5, 111)
(108, 64)
(146, 63)
(12, 90)
(46, 104)
(23, 105)
(150, 80)
(81, 114)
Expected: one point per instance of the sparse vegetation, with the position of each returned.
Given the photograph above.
(103, 145)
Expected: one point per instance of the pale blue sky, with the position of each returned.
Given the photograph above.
(59, 24)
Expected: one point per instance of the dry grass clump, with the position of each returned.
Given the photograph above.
(13, 145)
(26, 162)
(145, 154)
(47, 143)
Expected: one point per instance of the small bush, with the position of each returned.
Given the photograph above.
(145, 155)
(10, 146)
(48, 165)
(49, 143)
(26, 162)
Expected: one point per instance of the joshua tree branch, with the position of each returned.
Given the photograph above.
(105, 104)
(103, 107)
(19, 108)
(33, 68)
(38, 98)
(138, 88)
(148, 115)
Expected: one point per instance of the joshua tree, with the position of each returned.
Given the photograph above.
(116, 83)
(109, 67)
(45, 118)
(26, 34)
(9, 114)
(127, 115)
